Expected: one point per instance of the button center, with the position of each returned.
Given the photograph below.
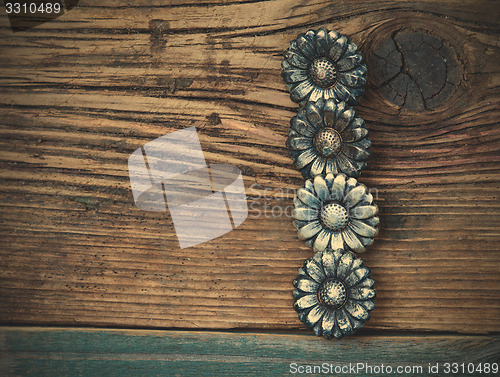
(328, 142)
(332, 293)
(323, 73)
(334, 216)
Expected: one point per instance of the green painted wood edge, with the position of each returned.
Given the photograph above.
(26, 351)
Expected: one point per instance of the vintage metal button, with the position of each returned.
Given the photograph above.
(335, 212)
(328, 137)
(334, 293)
(324, 64)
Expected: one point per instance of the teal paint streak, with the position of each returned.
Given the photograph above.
(91, 352)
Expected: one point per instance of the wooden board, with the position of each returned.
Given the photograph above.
(80, 93)
(90, 352)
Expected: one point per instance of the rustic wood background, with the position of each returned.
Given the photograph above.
(80, 93)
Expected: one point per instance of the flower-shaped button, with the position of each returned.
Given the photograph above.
(335, 212)
(324, 64)
(334, 293)
(326, 137)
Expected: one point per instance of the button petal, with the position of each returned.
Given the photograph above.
(306, 302)
(338, 187)
(344, 120)
(361, 293)
(299, 143)
(329, 113)
(351, 135)
(349, 62)
(302, 90)
(310, 230)
(291, 76)
(356, 310)
(314, 115)
(355, 78)
(306, 47)
(338, 48)
(355, 152)
(352, 241)
(307, 285)
(354, 196)
(322, 240)
(302, 127)
(329, 262)
(314, 315)
(305, 158)
(308, 198)
(363, 229)
(296, 59)
(318, 166)
(321, 188)
(314, 270)
(344, 265)
(343, 322)
(305, 214)
(322, 46)
(328, 324)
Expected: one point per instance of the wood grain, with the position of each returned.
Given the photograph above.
(91, 352)
(80, 93)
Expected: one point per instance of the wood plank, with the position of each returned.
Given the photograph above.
(96, 352)
(80, 93)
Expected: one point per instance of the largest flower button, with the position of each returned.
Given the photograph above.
(324, 64)
(334, 293)
(335, 212)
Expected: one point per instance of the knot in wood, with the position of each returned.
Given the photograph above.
(415, 70)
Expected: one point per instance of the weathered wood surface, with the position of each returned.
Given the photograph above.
(90, 352)
(82, 92)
